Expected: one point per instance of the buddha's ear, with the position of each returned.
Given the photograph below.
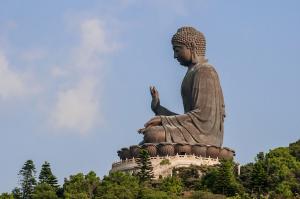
(195, 57)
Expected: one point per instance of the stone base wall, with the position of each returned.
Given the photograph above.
(165, 168)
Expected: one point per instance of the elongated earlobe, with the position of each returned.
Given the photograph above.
(195, 57)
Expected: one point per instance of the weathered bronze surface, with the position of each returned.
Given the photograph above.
(171, 149)
(204, 109)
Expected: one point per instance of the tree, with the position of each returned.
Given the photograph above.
(245, 176)
(27, 181)
(145, 172)
(189, 175)
(282, 172)
(206, 195)
(119, 185)
(225, 180)
(6, 196)
(208, 180)
(75, 187)
(92, 183)
(274, 173)
(16, 192)
(150, 193)
(44, 191)
(295, 149)
(81, 186)
(259, 178)
(172, 185)
(46, 175)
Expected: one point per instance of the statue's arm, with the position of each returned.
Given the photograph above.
(155, 104)
(160, 110)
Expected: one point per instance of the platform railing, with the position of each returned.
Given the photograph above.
(133, 160)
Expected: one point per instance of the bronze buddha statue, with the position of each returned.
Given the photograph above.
(204, 109)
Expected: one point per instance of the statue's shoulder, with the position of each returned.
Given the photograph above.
(205, 67)
(206, 70)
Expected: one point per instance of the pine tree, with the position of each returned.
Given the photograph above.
(145, 172)
(246, 175)
(16, 192)
(46, 175)
(27, 181)
(44, 191)
(226, 182)
(259, 178)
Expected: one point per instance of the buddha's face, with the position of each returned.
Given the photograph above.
(182, 54)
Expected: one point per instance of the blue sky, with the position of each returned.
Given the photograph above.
(75, 76)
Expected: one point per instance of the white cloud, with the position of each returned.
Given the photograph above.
(95, 41)
(70, 80)
(77, 108)
(11, 83)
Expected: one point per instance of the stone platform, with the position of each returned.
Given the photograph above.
(171, 149)
(163, 166)
(166, 156)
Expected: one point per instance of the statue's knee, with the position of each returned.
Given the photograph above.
(154, 134)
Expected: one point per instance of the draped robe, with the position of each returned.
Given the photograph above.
(204, 109)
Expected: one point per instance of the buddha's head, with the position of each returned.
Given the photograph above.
(189, 46)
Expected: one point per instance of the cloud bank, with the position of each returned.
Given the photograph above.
(12, 84)
(78, 107)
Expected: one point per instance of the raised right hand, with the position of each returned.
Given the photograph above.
(155, 103)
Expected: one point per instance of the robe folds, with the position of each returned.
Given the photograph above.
(204, 109)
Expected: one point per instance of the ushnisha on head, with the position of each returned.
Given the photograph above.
(189, 46)
(191, 38)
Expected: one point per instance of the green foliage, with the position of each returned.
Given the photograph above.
(281, 168)
(259, 178)
(165, 162)
(44, 191)
(172, 185)
(17, 194)
(295, 149)
(46, 175)
(245, 196)
(208, 180)
(27, 179)
(81, 186)
(245, 176)
(222, 180)
(274, 175)
(189, 175)
(6, 196)
(148, 193)
(226, 182)
(119, 185)
(145, 172)
(206, 195)
(284, 190)
(260, 157)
